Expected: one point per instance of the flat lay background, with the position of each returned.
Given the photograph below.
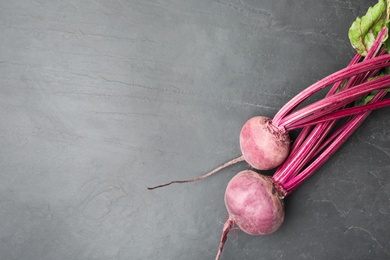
(100, 99)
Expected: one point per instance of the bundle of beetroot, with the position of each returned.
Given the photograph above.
(254, 201)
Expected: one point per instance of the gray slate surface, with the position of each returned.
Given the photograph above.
(100, 99)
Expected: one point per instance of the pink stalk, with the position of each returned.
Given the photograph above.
(304, 149)
(290, 167)
(305, 131)
(349, 129)
(342, 113)
(338, 85)
(311, 142)
(306, 146)
(337, 100)
(364, 66)
(341, 138)
(301, 137)
(374, 50)
(303, 146)
(341, 129)
(327, 141)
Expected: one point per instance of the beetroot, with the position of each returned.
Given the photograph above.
(263, 146)
(254, 204)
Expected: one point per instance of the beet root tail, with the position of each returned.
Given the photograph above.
(226, 228)
(223, 166)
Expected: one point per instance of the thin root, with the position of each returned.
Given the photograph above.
(226, 228)
(225, 165)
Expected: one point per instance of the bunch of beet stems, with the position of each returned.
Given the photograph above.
(319, 118)
(319, 138)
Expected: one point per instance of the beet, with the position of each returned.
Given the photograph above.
(254, 204)
(263, 146)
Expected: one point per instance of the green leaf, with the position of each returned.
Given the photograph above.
(364, 100)
(364, 30)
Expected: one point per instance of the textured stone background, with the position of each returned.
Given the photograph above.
(100, 99)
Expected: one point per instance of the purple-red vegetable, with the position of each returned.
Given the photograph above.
(263, 146)
(254, 204)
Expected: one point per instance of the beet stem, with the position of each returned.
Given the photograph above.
(225, 165)
(364, 66)
(298, 158)
(226, 228)
(295, 164)
(330, 139)
(344, 113)
(349, 128)
(306, 130)
(339, 75)
(337, 100)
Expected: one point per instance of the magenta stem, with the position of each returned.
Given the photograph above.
(337, 100)
(335, 77)
(301, 137)
(311, 142)
(364, 66)
(342, 136)
(343, 113)
(299, 158)
(332, 148)
(295, 161)
(329, 140)
(336, 87)
(300, 155)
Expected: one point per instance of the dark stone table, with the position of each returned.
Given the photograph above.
(100, 99)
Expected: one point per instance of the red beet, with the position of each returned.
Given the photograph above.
(263, 146)
(254, 204)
